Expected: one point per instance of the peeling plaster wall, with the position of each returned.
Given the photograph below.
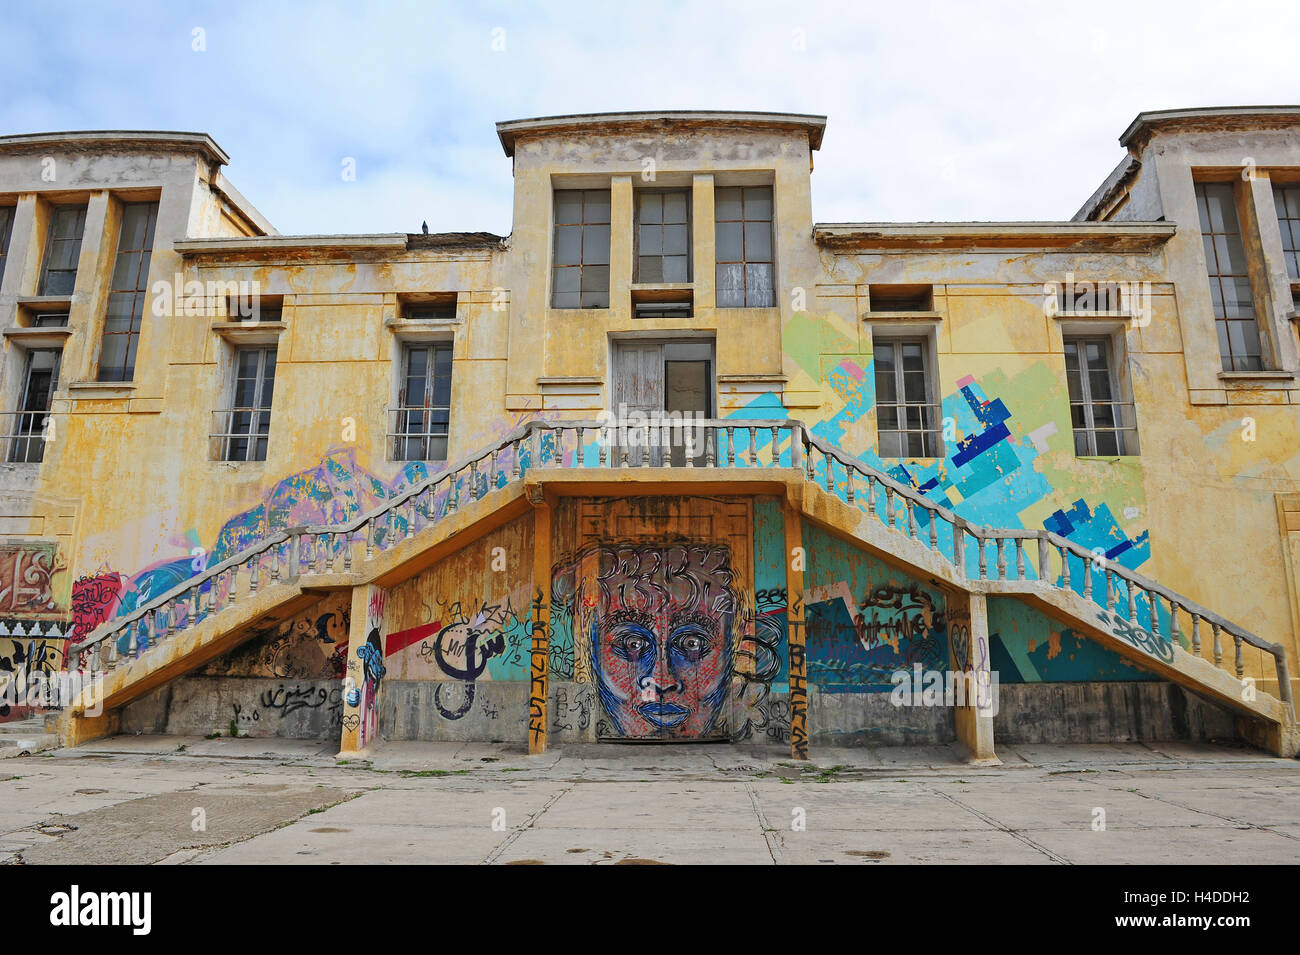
(136, 505)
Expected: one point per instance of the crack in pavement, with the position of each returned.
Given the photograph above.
(1015, 834)
(510, 839)
(769, 834)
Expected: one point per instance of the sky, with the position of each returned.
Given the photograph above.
(983, 110)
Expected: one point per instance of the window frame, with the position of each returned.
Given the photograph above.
(637, 225)
(1216, 276)
(32, 439)
(52, 237)
(1289, 226)
(744, 262)
(401, 435)
(1127, 442)
(138, 294)
(932, 443)
(582, 264)
(257, 442)
(6, 235)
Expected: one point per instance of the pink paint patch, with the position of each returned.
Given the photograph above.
(399, 641)
(853, 369)
(963, 382)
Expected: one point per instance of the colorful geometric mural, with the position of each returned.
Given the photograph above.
(865, 620)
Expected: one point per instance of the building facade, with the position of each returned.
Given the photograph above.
(671, 461)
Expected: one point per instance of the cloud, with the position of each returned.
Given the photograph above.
(996, 110)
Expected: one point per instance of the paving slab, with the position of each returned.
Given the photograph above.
(897, 847)
(1222, 846)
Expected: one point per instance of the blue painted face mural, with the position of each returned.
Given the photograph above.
(659, 627)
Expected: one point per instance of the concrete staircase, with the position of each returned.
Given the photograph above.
(26, 737)
(275, 578)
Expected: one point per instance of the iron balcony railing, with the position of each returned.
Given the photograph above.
(418, 433)
(240, 434)
(24, 435)
(1104, 428)
(969, 551)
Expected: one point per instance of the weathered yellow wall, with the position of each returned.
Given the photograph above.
(128, 487)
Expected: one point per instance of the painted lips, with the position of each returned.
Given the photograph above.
(664, 714)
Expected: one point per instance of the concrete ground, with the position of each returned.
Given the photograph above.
(156, 799)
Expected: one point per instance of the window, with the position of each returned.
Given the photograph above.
(1287, 200)
(50, 320)
(906, 414)
(40, 379)
(901, 298)
(62, 250)
(127, 295)
(1104, 424)
(580, 276)
(663, 236)
(744, 247)
(424, 413)
(6, 229)
(247, 422)
(441, 311)
(1225, 256)
(660, 385)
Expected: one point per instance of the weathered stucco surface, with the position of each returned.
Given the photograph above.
(132, 503)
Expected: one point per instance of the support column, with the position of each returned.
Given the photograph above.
(795, 560)
(540, 651)
(977, 694)
(365, 670)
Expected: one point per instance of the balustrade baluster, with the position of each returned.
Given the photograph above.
(1218, 646)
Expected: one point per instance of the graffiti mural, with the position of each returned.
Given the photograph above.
(1027, 647)
(865, 622)
(371, 657)
(656, 627)
(21, 663)
(310, 646)
(26, 585)
(94, 600)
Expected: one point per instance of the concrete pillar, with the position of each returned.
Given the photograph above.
(976, 703)
(365, 670)
(794, 568)
(94, 276)
(621, 219)
(540, 649)
(704, 250)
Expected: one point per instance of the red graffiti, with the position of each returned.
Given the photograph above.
(94, 600)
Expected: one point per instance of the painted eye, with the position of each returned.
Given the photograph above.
(632, 646)
(691, 645)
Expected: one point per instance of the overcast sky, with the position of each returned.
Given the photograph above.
(936, 111)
